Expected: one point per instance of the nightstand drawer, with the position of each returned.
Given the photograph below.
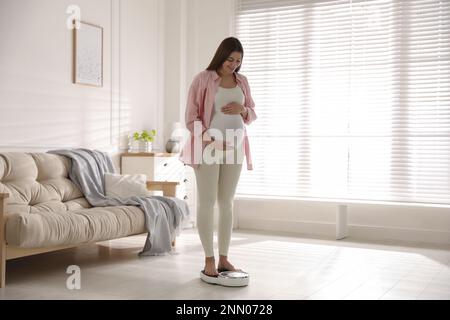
(169, 169)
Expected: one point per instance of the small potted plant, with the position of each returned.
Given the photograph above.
(142, 141)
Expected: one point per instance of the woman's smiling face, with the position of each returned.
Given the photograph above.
(231, 63)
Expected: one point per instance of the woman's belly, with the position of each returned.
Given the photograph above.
(226, 127)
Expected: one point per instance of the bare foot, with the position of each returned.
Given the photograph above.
(224, 264)
(210, 267)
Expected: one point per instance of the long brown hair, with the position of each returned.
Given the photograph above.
(226, 47)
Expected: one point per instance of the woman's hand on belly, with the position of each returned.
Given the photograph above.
(233, 108)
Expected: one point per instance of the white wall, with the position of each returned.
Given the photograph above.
(174, 62)
(141, 72)
(40, 107)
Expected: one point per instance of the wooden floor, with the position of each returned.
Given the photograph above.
(280, 267)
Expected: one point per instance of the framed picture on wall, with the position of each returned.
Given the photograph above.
(88, 54)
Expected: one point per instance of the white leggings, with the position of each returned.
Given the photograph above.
(216, 181)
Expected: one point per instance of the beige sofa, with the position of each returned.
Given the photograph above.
(42, 210)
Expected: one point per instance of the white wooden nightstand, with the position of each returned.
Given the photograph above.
(165, 167)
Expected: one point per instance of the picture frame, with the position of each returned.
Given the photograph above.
(88, 54)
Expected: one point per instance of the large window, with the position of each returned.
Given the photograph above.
(352, 97)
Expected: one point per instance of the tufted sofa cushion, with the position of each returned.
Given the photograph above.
(45, 208)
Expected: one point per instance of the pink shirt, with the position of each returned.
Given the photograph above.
(199, 108)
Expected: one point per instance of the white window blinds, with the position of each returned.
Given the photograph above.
(352, 97)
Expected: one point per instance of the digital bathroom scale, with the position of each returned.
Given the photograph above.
(227, 278)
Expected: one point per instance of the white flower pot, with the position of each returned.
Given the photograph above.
(145, 146)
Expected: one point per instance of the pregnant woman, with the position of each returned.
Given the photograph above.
(219, 103)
